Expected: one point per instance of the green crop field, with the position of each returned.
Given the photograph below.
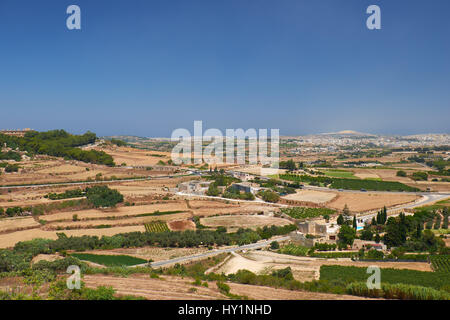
(157, 213)
(304, 213)
(333, 255)
(350, 184)
(156, 226)
(354, 274)
(340, 174)
(301, 251)
(375, 185)
(294, 250)
(441, 263)
(109, 260)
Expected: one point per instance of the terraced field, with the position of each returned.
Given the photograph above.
(156, 226)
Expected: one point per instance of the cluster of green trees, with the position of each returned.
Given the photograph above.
(58, 143)
(420, 176)
(404, 231)
(289, 165)
(10, 155)
(278, 186)
(68, 194)
(220, 179)
(139, 239)
(269, 196)
(14, 211)
(401, 173)
(380, 218)
(12, 167)
(233, 193)
(213, 190)
(98, 196)
(346, 236)
(103, 196)
(118, 142)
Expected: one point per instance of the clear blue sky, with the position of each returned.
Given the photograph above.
(148, 67)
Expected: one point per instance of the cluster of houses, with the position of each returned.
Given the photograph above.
(199, 187)
(327, 234)
(308, 234)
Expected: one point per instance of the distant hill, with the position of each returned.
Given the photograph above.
(349, 133)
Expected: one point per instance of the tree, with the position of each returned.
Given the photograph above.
(346, 235)
(12, 168)
(355, 226)
(213, 190)
(377, 238)
(367, 234)
(401, 173)
(340, 220)
(274, 245)
(418, 231)
(420, 175)
(395, 235)
(269, 196)
(375, 254)
(346, 210)
(288, 165)
(431, 241)
(102, 196)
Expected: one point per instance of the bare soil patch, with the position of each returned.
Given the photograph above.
(10, 239)
(171, 288)
(265, 293)
(152, 253)
(181, 225)
(311, 196)
(367, 175)
(46, 257)
(369, 201)
(243, 221)
(19, 223)
(167, 288)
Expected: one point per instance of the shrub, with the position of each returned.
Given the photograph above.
(12, 168)
(397, 291)
(274, 245)
(103, 196)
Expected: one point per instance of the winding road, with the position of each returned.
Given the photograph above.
(252, 246)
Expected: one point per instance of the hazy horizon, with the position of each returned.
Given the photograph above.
(146, 68)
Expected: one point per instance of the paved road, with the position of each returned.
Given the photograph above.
(251, 246)
(426, 198)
